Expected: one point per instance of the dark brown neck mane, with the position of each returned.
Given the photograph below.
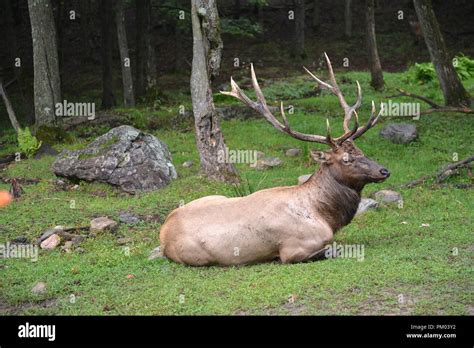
(336, 202)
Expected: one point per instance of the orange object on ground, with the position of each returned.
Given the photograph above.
(5, 198)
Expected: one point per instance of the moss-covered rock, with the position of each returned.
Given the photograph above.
(52, 135)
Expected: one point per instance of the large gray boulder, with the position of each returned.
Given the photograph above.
(124, 157)
(399, 133)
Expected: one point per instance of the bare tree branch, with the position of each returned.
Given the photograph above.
(434, 107)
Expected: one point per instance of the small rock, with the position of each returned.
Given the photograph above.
(188, 164)
(39, 288)
(45, 235)
(129, 219)
(67, 246)
(123, 241)
(153, 218)
(51, 242)
(366, 204)
(80, 250)
(156, 253)
(303, 178)
(267, 162)
(20, 240)
(388, 197)
(103, 224)
(48, 233)
(45, 150)
(62, 185)
(399, 133)
(77, 240)
(293, 152)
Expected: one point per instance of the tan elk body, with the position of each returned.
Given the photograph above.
(291, 223)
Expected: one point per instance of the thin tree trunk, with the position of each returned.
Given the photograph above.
(106, 49)
(9, 107)
(151, 69)
(260, 17)
(47, 85)
(453, 91)
(179, 52)
(141, 42)
(299, 8)
(12, 44)
(88, 10)
(207, 47)
(60, 32)
(348, 18)
(125, 61)
(236, 9)
(373, 55)
(316, 14)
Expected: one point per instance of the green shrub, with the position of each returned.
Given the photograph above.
(240, 27)
(425, 72)
(464, 66)
(27, 142)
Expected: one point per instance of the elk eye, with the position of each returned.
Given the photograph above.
(346, 158)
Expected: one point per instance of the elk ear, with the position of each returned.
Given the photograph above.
(320, 156)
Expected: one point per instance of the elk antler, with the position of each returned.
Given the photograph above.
(262, 108)
(348, 110)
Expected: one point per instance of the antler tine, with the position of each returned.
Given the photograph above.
(285, 120)
(371, 122)
(327, 85)
(256, 87)
(331, 72)
(329, 138)
(261, 107)
(353, 108)
(334, 88)
(350, 132)
(236, 92)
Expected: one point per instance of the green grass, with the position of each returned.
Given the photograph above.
(400, 258)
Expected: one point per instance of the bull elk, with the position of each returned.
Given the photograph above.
(291, 223)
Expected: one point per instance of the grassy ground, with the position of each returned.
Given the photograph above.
(407, 268)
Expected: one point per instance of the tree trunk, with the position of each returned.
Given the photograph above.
(348, 19)
(141, 40)
(10, 111)
(125, 61)
(146, 64)
(373, 54)
(60, 32)
(316, 15)
(207, 48)
(453, 91)
(106, 50)
(179, 47)
(260, 17)
(298, 39)
(236, 9)
(88, 10)
(12, 44)
(151, 69)
(47, 85)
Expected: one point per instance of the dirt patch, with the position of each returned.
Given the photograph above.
(7, 309)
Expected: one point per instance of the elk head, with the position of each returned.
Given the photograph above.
(345, 162)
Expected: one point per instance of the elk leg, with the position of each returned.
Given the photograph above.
(298, 253)
(318, 255)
